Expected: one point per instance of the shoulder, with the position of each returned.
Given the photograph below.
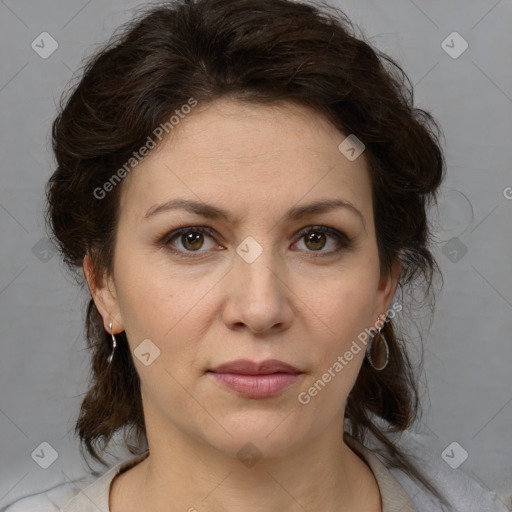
(89, 492)
(464, 493)
(48, 501)
(39, 503)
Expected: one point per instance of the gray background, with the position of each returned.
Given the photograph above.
(468, 351)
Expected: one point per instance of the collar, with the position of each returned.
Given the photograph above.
(95, 496)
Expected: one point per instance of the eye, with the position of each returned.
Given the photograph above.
(191, 239)
(315, 238)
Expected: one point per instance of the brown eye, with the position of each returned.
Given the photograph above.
(189, 240)
(192, 241)
(315, 240)
(186, 241)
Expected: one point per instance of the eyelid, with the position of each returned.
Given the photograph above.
(166, 239)
(336, 233)
(344, 242)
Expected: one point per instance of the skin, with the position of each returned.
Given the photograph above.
(256, 162)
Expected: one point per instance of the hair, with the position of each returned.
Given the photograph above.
(261, 52)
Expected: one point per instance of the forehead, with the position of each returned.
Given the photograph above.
(253, 156)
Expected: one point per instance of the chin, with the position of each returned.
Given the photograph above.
(258, 434)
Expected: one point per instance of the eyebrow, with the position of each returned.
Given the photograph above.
(213, 212)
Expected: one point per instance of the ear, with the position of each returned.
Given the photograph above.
(104, 296)
(387, 287)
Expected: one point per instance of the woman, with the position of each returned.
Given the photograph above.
(245, 185)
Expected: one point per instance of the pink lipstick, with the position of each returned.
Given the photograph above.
(256, 380)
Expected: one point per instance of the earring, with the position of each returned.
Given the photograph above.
(376, 346)
(114, 344)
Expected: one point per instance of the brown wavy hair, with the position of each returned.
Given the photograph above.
(262, 52)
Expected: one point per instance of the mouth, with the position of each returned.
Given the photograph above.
(248, 367)
(256, 380)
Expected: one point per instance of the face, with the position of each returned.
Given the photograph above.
(250, 272)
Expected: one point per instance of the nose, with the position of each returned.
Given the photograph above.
(257, 295)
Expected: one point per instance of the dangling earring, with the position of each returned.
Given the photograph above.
(114, 344)
(378, 346)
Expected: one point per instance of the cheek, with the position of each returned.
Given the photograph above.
(348, 299)
(348, 314)
(339, 351)
(163, 304)
(346, 306)
(146, 298)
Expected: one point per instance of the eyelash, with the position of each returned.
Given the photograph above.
(344, 243)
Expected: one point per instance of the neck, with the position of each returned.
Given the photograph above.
(322, 475)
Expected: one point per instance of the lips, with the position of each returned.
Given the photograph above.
(256, 380)
(247, 367)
